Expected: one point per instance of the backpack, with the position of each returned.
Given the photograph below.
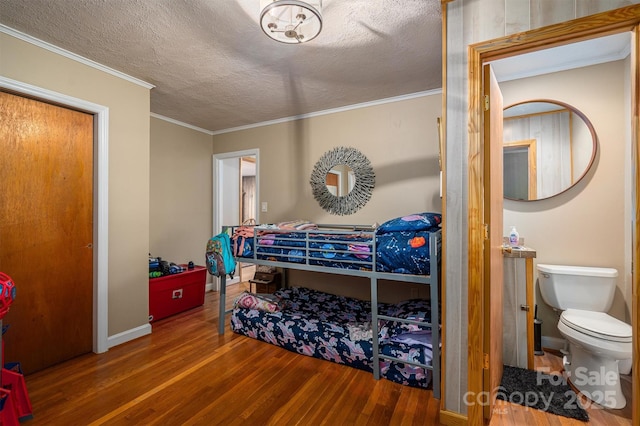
(219, 258)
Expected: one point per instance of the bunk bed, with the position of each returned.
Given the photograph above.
(406, 249)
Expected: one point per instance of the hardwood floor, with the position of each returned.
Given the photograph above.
(508, 414)
(184, 373)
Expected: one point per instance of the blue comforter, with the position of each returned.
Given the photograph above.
(403, 252)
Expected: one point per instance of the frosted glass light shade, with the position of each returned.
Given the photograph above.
(291, 21)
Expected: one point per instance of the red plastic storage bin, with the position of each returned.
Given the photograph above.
(171, 294)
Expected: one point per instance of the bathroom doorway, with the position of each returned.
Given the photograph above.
(558, 222)
(482, 53)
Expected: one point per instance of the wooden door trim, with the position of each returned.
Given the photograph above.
(475, 292)
(635, 250)
(602, 24)
(101, 201)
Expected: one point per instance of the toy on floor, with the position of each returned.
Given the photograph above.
(15, 405)
(7, 295)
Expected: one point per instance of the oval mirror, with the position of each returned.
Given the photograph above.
(548, 147)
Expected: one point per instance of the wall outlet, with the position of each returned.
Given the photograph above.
(264, 207)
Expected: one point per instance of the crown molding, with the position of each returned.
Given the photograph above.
(332, 111)
(180, 123)
(67, 54)
(301, 116)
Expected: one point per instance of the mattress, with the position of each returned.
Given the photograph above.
(400, 245)
(397, 252)
(338, 329)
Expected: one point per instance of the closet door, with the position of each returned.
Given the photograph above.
(46, 230)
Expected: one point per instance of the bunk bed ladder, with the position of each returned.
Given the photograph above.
(435, 245)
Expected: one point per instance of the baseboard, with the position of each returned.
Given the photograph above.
(127, 336)
(450, 418)
(556, 343)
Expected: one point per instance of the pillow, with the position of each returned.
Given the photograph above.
(415, 309)
(411, 308)
(359, 331)
(299, 225)
(413, 222)
(253, 301)
(416, 338)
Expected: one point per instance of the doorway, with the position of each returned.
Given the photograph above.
(236, 183)
(607, 23)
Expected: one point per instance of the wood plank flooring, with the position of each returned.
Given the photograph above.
(184, 373)
(508, 414)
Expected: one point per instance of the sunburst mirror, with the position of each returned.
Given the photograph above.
(342, 181)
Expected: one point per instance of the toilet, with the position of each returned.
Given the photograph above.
(599, 344)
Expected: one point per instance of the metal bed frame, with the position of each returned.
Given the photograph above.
(311, 237)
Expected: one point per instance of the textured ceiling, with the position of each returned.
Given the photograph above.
(213, 67)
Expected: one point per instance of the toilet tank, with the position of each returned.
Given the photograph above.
(577, 287)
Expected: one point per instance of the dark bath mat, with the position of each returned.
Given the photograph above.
(546, 392)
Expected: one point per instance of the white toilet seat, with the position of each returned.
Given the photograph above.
(594, 356)
(597, 324)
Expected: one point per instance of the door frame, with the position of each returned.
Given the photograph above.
(100, 197)
(218, 204)
(625, 19)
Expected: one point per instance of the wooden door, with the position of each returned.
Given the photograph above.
(332, 184)
(493, 258)
(46, 230)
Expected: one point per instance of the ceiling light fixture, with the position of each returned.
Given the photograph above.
(291, 21)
